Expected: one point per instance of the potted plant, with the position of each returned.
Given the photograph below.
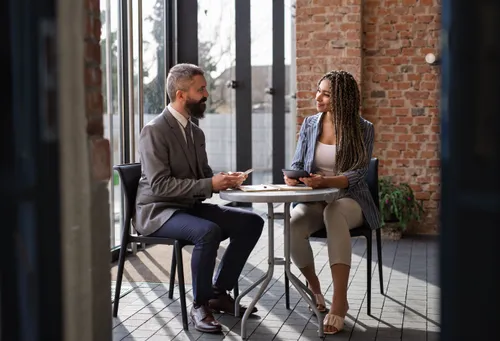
(398, 207)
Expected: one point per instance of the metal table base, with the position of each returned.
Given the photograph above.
(303, 290)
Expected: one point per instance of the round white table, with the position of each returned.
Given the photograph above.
(286, 197)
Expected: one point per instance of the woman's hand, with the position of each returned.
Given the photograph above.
(315, 181)
(290, 182)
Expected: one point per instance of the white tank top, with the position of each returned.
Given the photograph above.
(324, 158)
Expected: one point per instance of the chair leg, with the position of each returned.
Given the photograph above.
(287, 292)
(236, 290)
(369, 272)
(119, 277)
(379, 255)
(182, 289)
(172, 274)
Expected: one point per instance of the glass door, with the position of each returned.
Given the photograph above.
(133, 47)
(271, 99)
(242, 47)
(216, 56)
(110, 22)
(262, 90)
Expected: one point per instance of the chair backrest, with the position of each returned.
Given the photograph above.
(129, 179)
(372, 180)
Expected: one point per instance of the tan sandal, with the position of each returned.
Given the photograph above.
(334, 321)
(320, 303)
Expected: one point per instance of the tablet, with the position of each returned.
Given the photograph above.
(295, 174)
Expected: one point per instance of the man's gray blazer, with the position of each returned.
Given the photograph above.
(172, 176)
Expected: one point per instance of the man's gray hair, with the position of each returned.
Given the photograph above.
(179, 78)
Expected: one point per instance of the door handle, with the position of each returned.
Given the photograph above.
(232, 84)
(270, 91)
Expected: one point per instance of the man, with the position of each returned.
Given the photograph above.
(175, 179)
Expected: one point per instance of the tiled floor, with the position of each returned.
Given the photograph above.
(408, 311)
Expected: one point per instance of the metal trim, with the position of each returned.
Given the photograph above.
(187, 34)
(278, 99)
(169, 40)
(109, 109)
(123, 82)
(140, 62)
(131, 113)
(243, 92)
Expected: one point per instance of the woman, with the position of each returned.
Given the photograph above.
(335, 147)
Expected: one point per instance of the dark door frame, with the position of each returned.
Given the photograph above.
(31, 288)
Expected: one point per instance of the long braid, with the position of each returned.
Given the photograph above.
(345, 100)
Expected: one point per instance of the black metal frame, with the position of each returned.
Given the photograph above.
(185, 34)
(170, 34)
(123, 95)
(278, 106)
(186, 31)
(243, 89)
(124, 86)
(367, 232)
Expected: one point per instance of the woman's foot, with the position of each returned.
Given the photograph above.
(320, 303)
(332, 324)
(339, 307)
(334, 320)
(320, 299)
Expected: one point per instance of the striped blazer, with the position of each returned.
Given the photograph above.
(357, 188)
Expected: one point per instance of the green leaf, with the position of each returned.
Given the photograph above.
(398, 200)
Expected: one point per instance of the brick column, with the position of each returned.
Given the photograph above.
(99, 146)
(84, 168)
(100, 155)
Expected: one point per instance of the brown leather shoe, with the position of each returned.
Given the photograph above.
(224, 303)
(203, 320)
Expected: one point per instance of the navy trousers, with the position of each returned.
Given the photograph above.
(206, 225)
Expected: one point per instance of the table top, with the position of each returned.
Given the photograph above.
(323, 194)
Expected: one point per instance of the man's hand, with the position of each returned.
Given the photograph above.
(241, 177)
(315, 181)
(223, 181)
(290, 182)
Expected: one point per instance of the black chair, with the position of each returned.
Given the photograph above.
(129, 178)
(365, 231)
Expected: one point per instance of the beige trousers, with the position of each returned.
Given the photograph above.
(338, 216)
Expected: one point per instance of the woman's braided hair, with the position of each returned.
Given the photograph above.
(345, 100)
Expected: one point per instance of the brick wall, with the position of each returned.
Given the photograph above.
(328, 33)
(99, 146)
(383, 43)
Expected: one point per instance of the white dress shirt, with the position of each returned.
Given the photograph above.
(183, 121)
